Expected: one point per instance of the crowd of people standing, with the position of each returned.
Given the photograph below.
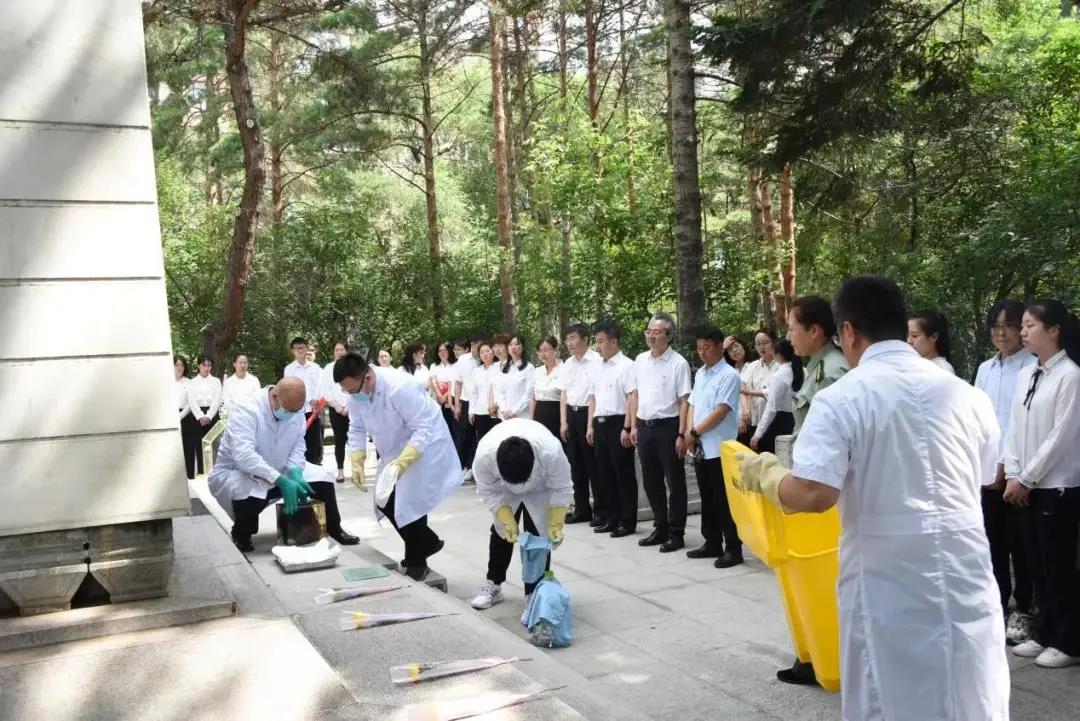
(604, 409)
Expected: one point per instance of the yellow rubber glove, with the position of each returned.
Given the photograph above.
(357, 458)
(410, 454)
(762, 473)
(505, 516)
(556, 523)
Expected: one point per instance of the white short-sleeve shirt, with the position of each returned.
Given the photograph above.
(661, 382)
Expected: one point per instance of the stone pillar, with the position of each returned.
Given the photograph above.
(89, 439)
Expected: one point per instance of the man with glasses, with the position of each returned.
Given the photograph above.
(658, 428)
(418, 465)
(997, 378)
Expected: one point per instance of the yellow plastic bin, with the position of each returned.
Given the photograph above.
(801, 548)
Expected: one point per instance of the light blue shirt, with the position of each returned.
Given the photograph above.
(997, 379)
(714, 386)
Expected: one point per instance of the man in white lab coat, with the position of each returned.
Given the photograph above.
(418, 464)
(261, 459)
(522, 474)
(903, 447)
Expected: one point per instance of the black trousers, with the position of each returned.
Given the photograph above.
(188, 433)
(340, 424)
(656, 450)
(745, 438)
(196, 436)
(1002, 524)
(501, 551)
(783, 424)
(582, 459)
(246, 511)
(483, 424)
(1051, 530)
(717, 525)
(466, 437)
(420, 541)
(451, 424)
(547, 415)
(615, 471)
(313, 438)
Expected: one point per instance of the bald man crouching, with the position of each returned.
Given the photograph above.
(261, 459)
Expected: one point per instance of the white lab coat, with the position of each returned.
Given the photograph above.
(255, 449)
(922, 635)
(549, 485)
(402, 413)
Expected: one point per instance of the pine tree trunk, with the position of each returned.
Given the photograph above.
(631, 194)
(566, 266)
(277, 151)
(768, 227)
(688, 250)
(220, 335)
(592, 64)
(502, 180)
(787, 240)
(438, 303)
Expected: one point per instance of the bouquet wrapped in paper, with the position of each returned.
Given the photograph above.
(417, 672)
(359, 619)
(469, 707)
(344, 593)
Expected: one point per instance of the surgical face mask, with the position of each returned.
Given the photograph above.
(366, 397)
(283, 415)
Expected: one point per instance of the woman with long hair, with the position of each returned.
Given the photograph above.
(204, 396)
(755, 378)
(515, 387)
(928, 334)
(1042, 472)
(737, 355)
(339, 409)
(187, 421)
(412, 362)
(546, 391)
(778, 418)
(483, 413)
(441, 384)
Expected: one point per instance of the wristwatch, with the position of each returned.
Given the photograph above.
(694, 434)
(626, 429)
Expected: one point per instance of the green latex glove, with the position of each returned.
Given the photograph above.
(294, 489)
(762, 473)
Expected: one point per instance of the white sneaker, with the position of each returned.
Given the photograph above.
(1029, 649)
(1052, 658)
(469, 477)
(488, 595)
(1018, 629)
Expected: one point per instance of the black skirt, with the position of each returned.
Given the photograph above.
(783, 424)
(547, 414)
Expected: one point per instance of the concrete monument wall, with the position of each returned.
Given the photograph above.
(88, 429)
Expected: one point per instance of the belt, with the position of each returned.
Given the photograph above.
(659, 421)
(609, 419)
(579, 409)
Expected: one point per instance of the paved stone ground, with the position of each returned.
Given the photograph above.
(676, 638)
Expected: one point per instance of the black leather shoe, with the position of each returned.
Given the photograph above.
(606, 528)
(622, 532)
(575, 518)
(705, 551)
(654, 539)
(344, 538)
(800, 674)
(728, 560)
(417, 573)
(597, 522)
(673, 544)
(244, 544)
